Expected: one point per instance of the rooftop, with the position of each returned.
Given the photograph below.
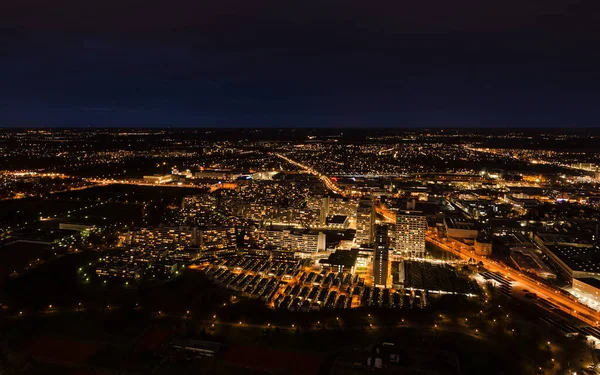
(459, 223)
(555, 238)
(591, 281)
(184, 342)
(408, 213)
(345, 258)
(338, 219)
(583, 259)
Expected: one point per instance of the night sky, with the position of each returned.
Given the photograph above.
(284, 63)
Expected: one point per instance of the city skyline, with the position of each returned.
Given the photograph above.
(303, 251)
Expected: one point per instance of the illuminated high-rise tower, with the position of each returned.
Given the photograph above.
(381, 256)
(411, 227)
(365, 221)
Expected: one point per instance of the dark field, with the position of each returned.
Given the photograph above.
(117, 320)
(16, 256)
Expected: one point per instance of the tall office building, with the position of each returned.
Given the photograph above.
(365, 221)
(411, 227)
(381, 256)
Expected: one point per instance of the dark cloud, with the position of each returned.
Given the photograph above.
(326, 63)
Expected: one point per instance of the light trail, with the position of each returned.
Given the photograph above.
(567, 305)
(326, 180)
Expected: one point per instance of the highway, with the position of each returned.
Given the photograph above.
(326, 180)
(550, 293)
(566, 304)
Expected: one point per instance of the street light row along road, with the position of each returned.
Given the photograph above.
(326, 180)
(567, 305)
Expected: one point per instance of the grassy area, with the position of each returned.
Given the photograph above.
(437, 253)
(119, 333)
(499, 332)
(30, 209)
(16, 256)
(71, 279)
(55, 282)
(109, 213)
(131, 193)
